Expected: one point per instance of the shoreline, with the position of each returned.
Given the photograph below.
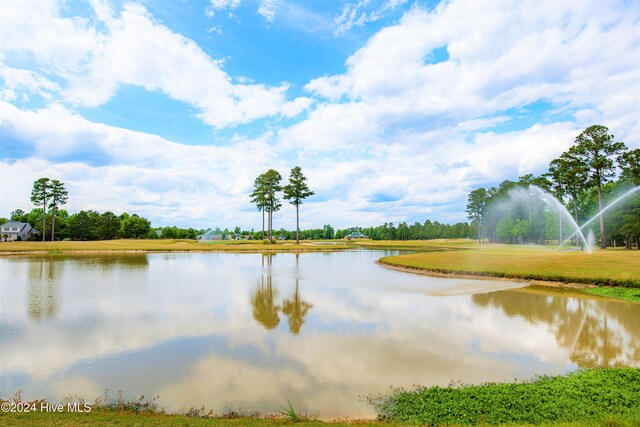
(159, 251)
(227, 249)
(457, 275)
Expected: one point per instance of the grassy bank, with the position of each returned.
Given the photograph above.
(103, 417)
(627, 294)
(162, 245)
(602, 267)
(600, 397)
(111, 418)
(586, 398)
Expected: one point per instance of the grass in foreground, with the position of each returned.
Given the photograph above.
(162, 245)
(599, 396)
(602, 267)
(585, 398)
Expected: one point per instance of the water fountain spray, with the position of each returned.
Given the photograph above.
(548, 198)
(606, 208)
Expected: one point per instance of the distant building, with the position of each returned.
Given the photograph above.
(12, 229)
(356, 235)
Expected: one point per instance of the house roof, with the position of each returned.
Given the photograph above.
(18, 224)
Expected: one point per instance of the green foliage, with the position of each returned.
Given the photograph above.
(297, 189)
(18, 215)
(583, 395)
(295, 192)
(504, 229)
(627, 294)
(264, 195)
(476, 205)
(629, 162)
(84, 225)
(108, 226)
(179, 233)
(40, 194)
(59, 197)
(135, 227)
(295, 417)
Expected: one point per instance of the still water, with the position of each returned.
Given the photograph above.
(250, 332)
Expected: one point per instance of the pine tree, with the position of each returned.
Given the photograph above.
(296, 191)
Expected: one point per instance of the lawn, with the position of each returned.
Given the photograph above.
(164, 245)
(612, 267)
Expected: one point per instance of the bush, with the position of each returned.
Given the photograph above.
(579, 396)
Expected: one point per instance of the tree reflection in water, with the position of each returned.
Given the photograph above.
(43, 292)
(265, 307)
(596, 332)
(295, 308)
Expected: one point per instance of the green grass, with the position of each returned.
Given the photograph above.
(595, 397)
(162, 245)
(600, 396)
(602, 267)
(628, 294)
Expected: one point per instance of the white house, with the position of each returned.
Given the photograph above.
(11, 230)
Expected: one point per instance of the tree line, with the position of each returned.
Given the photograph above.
(387, 231)
(85, 225)
(49, 195)
(583, 179)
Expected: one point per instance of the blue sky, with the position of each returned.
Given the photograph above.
(394, 109)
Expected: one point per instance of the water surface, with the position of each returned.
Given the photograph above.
(249, 331)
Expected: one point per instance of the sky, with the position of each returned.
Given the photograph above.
(394, 109)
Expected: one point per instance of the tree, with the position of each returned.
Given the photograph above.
(135, 227)
(402, 233)
(39, 197)
(572, 175)
(558, 187)
(59, 197)
(271, 181)
(504, 228)
(475, 208)
(109, 226)
(629, 162)
(594, 150)
(296, 191)
(18, 215)
(84, 225)
(259, 196)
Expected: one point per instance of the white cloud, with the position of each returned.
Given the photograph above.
(221, 5)
(143, 173)
(494, 65)
(267, 9)
(215, 29)
(353, 14)
(134, 50)
(25, 82)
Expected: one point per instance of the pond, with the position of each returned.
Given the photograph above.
(250, 332)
